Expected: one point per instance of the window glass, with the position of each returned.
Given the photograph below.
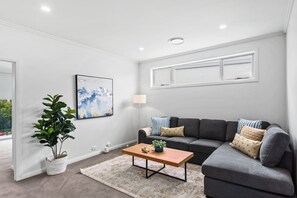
(238, 68)
(197, 75)
(232, 68)
(161, 77)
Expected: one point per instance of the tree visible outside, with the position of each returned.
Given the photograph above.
(5, 117)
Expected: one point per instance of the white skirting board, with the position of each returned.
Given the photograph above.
(94, 153)
(77, 159)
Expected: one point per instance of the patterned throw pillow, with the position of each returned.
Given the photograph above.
(157, 123)
(252, 123)
(172, 132)
(246, 146)
(252, 133)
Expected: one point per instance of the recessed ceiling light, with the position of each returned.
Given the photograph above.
(223, 26)
(45, 9)
(141, 48)
(176, 41)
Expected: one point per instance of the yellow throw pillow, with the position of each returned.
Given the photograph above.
(170, 132)
(247, 146)
(252, 133)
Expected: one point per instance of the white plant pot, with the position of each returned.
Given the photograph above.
(56, 166)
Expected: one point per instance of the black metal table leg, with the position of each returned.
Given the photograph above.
(158, 171)
(146, 168)
(185, 171)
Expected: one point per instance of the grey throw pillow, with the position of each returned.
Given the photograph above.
(274, 144)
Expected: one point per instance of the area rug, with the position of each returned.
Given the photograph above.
(119, 174)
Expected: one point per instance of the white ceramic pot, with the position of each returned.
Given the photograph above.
(56, 166)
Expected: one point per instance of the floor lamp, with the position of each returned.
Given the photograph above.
(139, 99)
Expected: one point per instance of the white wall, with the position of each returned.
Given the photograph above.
(292, 77)
(265, 99)
(47, 66)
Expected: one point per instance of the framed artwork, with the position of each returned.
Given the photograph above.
(94, 97)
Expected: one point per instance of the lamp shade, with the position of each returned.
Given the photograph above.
(139, 99)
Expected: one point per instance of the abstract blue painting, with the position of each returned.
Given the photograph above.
(94, 97)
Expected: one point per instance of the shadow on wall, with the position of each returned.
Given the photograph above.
(128, 105)
(147, 112)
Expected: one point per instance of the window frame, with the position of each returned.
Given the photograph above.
(254, 78)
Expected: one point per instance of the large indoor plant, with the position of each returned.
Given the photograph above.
(53, 129)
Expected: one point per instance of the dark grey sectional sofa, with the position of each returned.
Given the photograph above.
(228, 172)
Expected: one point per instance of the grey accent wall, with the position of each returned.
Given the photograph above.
(265, 99)
(292, 78)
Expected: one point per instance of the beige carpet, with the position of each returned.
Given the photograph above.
(119, 174)
(71, 184)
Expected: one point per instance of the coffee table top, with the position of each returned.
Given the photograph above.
(169, 156)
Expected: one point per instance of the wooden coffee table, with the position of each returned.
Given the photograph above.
(169, 156)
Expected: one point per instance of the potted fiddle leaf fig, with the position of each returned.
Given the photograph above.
(53, 129)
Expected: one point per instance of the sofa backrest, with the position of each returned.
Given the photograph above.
(231, 130)
(191, 126)
(209, 129)
(173, 122)
(212, 129)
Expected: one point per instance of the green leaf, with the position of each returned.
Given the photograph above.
(47, 99)
(42, 141)
(71, 137)
(50, 130)
(56, 98)
(60, 105)
(47, 104)
(72, 111)
(51, 97)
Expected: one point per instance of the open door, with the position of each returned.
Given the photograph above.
(7, 120)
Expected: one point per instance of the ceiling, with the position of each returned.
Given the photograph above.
(122, 26)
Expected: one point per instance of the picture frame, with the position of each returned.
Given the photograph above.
(94, 97)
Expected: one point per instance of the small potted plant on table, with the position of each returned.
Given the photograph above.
(158, 145)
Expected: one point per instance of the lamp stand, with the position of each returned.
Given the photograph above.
(139, 117)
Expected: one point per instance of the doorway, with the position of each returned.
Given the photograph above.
(7, 83)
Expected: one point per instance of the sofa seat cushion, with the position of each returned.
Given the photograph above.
(150, 138)
(205, 146)
(230, 165)
(181, 143)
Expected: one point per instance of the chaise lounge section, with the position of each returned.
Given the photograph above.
(228, 172)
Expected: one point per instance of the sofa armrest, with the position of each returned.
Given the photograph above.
(142, 133)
